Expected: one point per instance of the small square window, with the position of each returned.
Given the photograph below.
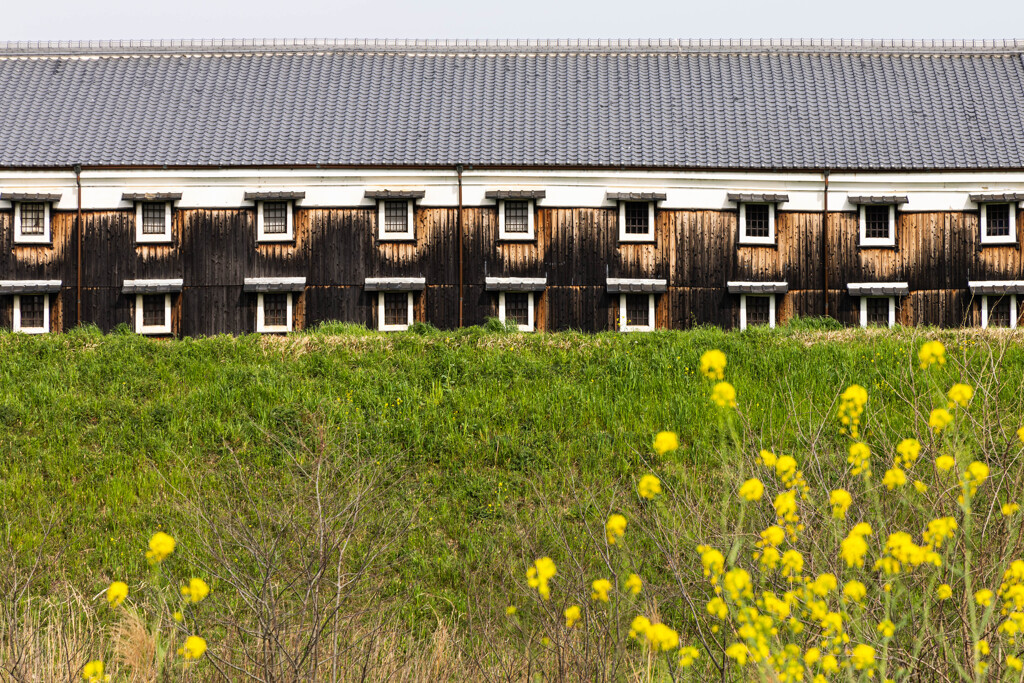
(153, 222)
(757, 224)
(998, 223)
(153, 313)
(396, 220)
(878, 225)
(394, 310)
(274, 222)
(274, 312)
(517, 307)
(999, 310)
(636, 312)
(31, 222)
(757, 310)
(32, 313)
(636, 221)
(877, 311)
(515, 219)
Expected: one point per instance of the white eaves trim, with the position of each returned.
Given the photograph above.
(878, 288)
(152, 286)
(29, 286)
(996, 286)
(756, 287)
(274, 284)
(394, 284)
(515, 284)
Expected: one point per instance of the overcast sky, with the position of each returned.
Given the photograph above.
(90, 19)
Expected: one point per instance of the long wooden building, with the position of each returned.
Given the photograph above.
(195, 188)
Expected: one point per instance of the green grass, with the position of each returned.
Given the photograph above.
(97, 431)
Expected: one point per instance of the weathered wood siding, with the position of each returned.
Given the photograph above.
(576, 249)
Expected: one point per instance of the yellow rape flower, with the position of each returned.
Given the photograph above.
(193, 649)
(634, 584)
(920, 486)
(886, 628)
(851, 407)
(116, 593)
(615, 528)
(792, 563)
(712, 560)
(665, 442)
(983, 597)
(179, 617)
(751, 490)
(975, 475)
(939, 419)
(196, 590)
(1009, 509)
(853, 548)
(724, 395)
(572, 615)
(860, 459)
(716, 607)
(1020, 434)
(161, 546)
(944, 592)
(854, 591)
(737, 652)
(649, 487)
(863, 657)
(600, 588)
(829, 664)
(812, 656)
(712, 364)
(982, 648)
(538, 575)
(737, 585)
(945, 463)
(939, 530)
(639, 627)
(840, 500)
(960, 394)
(770, 460)
(1014, 663)
(662, 638)
(687, 656)
(93, 672)
(773, 536)
(894, 478)
(907, 452)
(932, 352)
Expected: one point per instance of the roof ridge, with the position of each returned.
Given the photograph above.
(490, 46)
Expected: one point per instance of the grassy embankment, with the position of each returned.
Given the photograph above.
(470, 435)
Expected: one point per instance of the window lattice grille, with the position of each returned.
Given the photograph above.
(878, 311)
(637, 215)
(757, 220)
(154, 219)
(999, 312)
(396, 308)
(876, 222)
(638, 312)
(998, 219)
(33, 219)
(517, 216)
(758, 310)
(275, 310)
(33, 310)
(517, 307)
(275, 218)
(153, 310)
(396, 216)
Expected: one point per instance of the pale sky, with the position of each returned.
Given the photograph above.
(92, 19)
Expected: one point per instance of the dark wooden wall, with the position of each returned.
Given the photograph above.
(575, 249)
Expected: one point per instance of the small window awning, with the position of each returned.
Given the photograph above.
(273, 196)
(741, 287)
(395, 194)
(756, 198)
(621, 285)
(274, 284)
(29, 197)
(1004, 197)
(150, 196)
(878, 200)
(996, 286)
(515, 284)
(515, 194)
(394, 284)
(169, 286)
(637, 196)
(29, 286)
(878, 288)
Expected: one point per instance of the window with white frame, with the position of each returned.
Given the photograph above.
(274, 312)
(998, 223)
(153, 222)
(32, 313)
(636, 221)
(878, 225)
(515, 219)
(274, 221)
(999, 310)
(757, 309)
(636, 312)
(32, 223)
(153, 313)
(877, 311)
(516, 307)
(395, 218)
(757, 223)
(394, 311)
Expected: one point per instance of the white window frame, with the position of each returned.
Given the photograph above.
(19, 238)
(46, 314)
(409, 234)
(141, 328)
(530, 233)
(623, 327)
(642, 237)
(531, 322)
(162, 237)
(288, 235)
(744, 238)
(1008, 239)
(262, 327)
(865, 241)
(864, 309)
(380, 313)
(743, 310)
(1013, 309)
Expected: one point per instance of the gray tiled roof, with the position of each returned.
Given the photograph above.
(636, 104)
